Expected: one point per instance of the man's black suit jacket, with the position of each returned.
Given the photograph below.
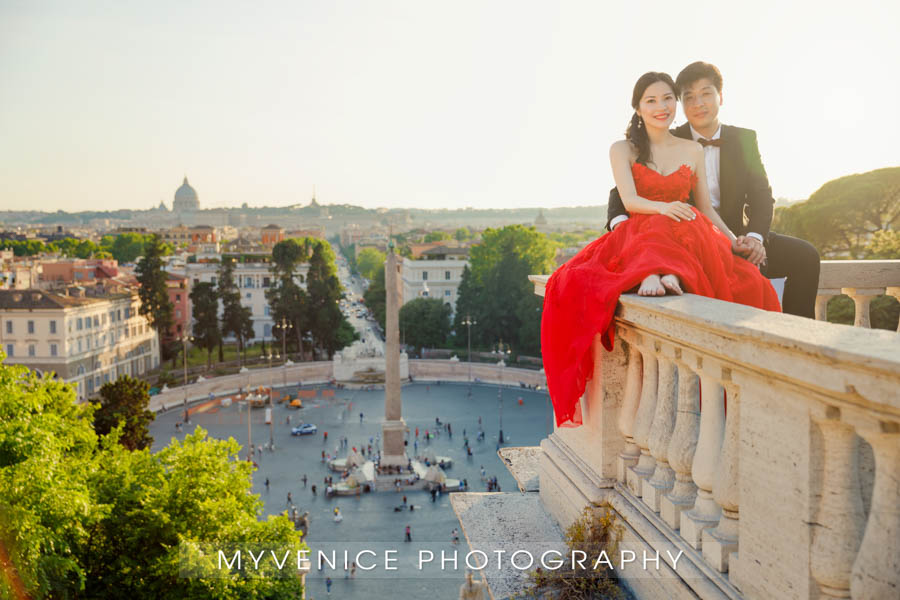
(745, 202)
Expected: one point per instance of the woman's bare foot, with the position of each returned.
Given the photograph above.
(671, 283)
(651, 286)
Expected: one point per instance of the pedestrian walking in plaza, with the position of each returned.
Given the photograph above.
(353, 569)
(303, 479)
(313, 489)
(290, 499)
(417, 433)
(360, 417)
(408, 534)
(328, 585)
(325, 437)
(267, 484)
(433, 494)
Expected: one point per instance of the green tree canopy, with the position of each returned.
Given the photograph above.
(462, 234)
(369, 262)
(125, 402)
(425, 322)
(155, 304)
(497, 292)
(206, 329)
(437, 236)
(81, 516)
(376, 299)
(841, 216)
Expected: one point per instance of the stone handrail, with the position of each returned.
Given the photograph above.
(453, 370)
(308, 372)
(784, 485)
(862, 280)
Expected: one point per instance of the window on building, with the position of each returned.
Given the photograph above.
(53, 351)
(52, 326)
(267, 330)
(178, 314)
(247, 296)
(78, 275)
(9, 326)
(212, 280)
(80, 348)
(266, 311)
(118, 315)
(177, 297)
(96, 321)
(30, 326)
(446, 293)
(447, 275)
(266, 282)
(79, 324)
(30, 349)
(424, 275)
(88, 342)
(248, 282)
(9, 350)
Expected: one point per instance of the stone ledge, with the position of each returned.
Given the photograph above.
(524, 463)
(509, 522)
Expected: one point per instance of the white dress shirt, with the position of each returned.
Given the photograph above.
(712, 154)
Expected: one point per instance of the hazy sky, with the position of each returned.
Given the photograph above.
(107, 105)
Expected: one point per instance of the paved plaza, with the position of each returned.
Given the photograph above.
(370, 521)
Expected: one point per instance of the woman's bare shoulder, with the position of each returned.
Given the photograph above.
(622, 149)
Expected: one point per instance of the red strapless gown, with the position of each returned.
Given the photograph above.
(581, 295)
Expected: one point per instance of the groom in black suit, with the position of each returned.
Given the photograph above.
(739, 190)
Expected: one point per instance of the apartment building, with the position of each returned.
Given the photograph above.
(86, 341)
(253, 278)
(436, 275)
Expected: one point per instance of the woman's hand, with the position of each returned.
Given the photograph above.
(677, 211)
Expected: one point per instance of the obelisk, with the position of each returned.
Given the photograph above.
(394, 427)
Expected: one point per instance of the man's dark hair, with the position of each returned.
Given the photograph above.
(695, 71)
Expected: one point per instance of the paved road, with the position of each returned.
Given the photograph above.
(369, 520)
(369, 332)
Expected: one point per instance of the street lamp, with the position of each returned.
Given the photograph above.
(468, 323)
(271, 410)
(284, 325)
(185, 338)
(501, 354)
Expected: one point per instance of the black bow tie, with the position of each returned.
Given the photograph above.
(705, 142)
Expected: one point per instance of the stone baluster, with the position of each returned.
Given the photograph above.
(895, 292)
(840, 517)
(719, 542)
(876, 571)
(661, 432)
(683, 445)
(862, 297)
(706, 512)
(629, 456)
(822, 298)
(643, 421)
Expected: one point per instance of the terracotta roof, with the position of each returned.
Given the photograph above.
(32, 299)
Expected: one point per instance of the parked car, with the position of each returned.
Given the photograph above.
(304, 429)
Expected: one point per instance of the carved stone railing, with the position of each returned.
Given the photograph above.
(784, 485)
(862, 280)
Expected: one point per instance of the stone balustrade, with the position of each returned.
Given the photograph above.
(765, 447)
(862, 280)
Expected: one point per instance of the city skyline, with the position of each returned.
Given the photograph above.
(411, 105)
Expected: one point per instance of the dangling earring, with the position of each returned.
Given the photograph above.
(640, 123)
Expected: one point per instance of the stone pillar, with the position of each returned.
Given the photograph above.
(661, 433)
(840, 516)
(393, 427)
(822, 298)
(629, 457)
(862, 297)
(876, 571)
(706, 512)
(683, 445)
(643, 420)
(718, 543)
(895, 292)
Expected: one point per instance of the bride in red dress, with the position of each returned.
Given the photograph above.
(667, 246)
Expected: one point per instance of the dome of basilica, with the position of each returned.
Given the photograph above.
(185, 198)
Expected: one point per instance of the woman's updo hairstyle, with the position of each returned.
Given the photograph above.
(637, 131)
